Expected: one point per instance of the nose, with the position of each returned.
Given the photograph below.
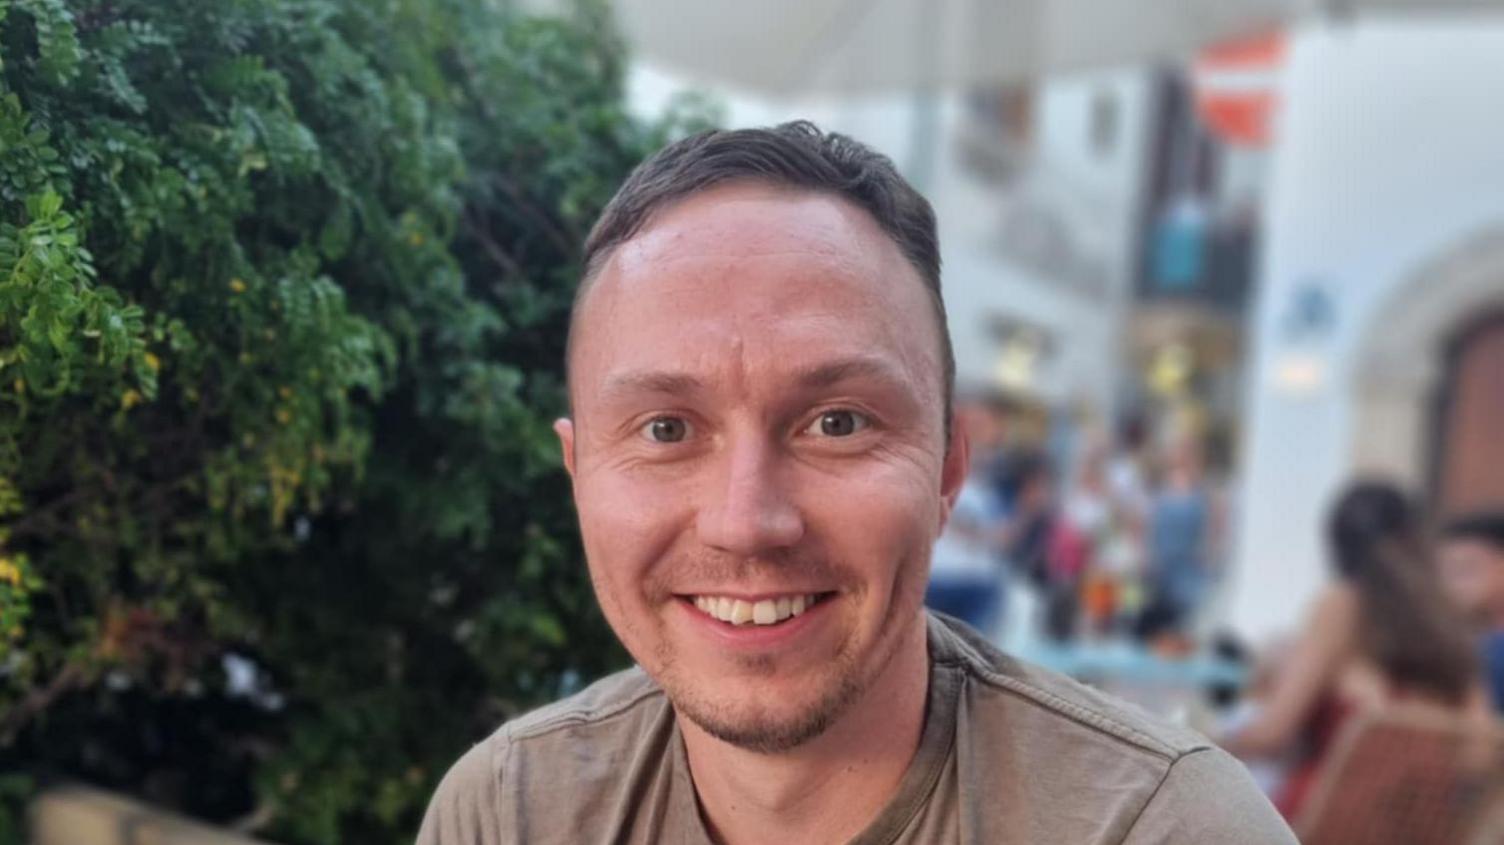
(747, 509)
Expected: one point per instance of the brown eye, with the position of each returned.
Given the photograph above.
(667, 430)
(839, 424)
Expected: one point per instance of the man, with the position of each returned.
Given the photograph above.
(1471, 557)
(762, 456)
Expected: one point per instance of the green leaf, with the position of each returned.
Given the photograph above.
(267, 389)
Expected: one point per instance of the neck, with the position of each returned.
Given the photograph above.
(830, 788)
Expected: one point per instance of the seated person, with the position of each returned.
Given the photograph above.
(1381, 633)
(1471, 560)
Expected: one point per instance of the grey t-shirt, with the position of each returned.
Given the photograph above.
(1008, 753)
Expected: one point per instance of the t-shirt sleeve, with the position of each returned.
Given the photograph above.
(1208, 796)
(465, 809)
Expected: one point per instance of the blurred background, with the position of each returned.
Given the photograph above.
(283, 287)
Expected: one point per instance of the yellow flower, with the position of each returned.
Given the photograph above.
(237, 286)
(416, 239)
(130, 399)
(10, 572)
(20, 385)
(285, 392)
(152, 361)
(284, 416)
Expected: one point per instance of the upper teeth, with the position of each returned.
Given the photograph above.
(764, 612)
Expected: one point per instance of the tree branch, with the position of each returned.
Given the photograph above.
(72, 677)
(478, 230)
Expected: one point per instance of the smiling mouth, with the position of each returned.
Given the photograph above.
(768, 611)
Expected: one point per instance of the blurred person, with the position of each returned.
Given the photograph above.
(1125, 468)
(762, 456)
(1183, 531)
(1107, 522)
(1088, 511)
(1039, 546)
(994, 467)
(1471, 562)
(1031, 516)
(1125, 553)
(1237, 707)
(1379, 635)
(966, 580)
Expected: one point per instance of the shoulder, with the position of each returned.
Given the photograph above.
(465, 807)
(1334, 618)
(611, 700)
(1035, 739)
(1493, 642)
(569, 748)
(1208, 796)
(1338, 598)
(1006, 688)
(1493, 652)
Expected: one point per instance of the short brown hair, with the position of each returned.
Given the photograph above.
(1406, 626)
(793, 155)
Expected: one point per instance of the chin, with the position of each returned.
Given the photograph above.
(770, 726)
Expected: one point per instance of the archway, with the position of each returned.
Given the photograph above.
(1407, 356)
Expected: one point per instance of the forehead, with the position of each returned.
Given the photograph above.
(764, 274)
(813, 232)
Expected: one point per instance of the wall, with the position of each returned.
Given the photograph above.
(80, 815)
(1388, 160)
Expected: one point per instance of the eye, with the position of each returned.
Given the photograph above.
(666, 430)
(838, 423)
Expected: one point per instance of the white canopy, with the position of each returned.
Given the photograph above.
(786, 46)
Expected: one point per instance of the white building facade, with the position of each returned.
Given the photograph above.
(1383, 251)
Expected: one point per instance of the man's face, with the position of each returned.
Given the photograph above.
(756, 385)
(1472, 572)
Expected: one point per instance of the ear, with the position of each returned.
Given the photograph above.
(564, 427)
(953, 471)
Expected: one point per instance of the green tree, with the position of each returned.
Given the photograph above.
(283, 289)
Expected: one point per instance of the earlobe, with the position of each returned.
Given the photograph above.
(564, 428)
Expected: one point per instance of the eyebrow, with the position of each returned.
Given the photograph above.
(812, 377)
(676, 384)
(834, 372)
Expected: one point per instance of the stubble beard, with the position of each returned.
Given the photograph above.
(754, 727)
(760, 730)
(765, 732)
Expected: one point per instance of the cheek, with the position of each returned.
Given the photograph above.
(1491, 585)
(627, 526)
(875, 521)
(1471, 588)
